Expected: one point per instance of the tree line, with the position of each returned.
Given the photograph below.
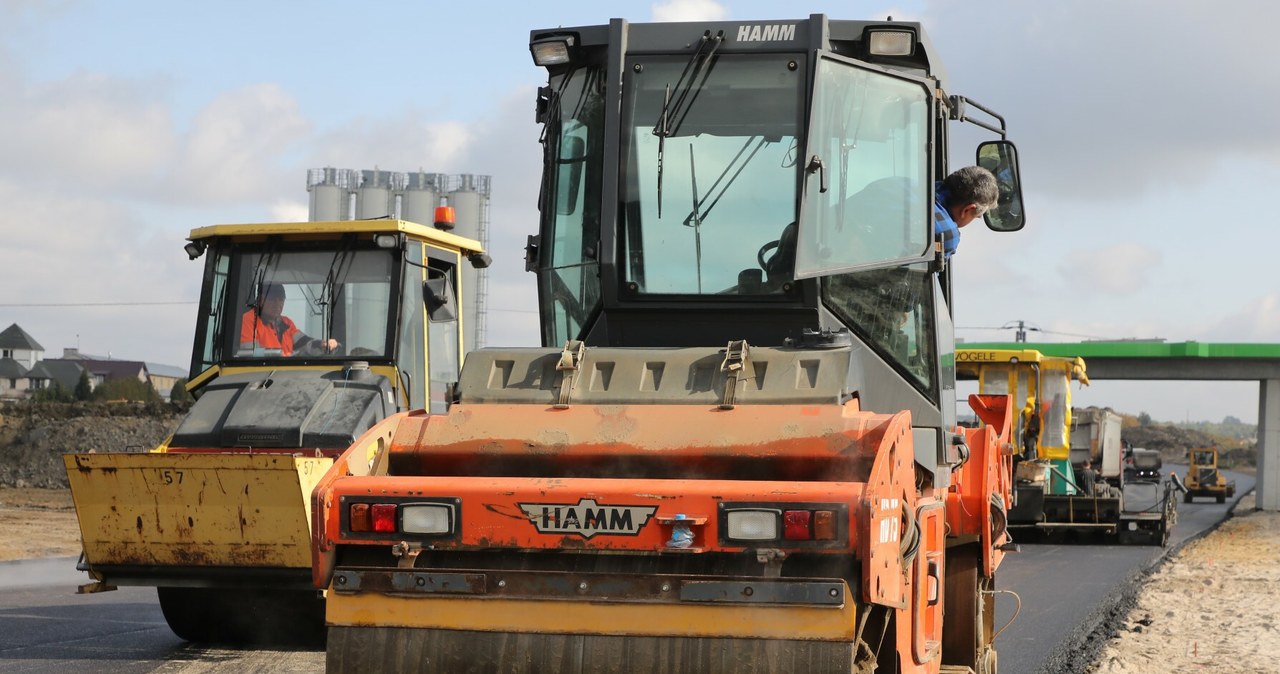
(127, 389)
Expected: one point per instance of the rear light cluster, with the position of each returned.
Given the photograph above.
(425, 519)
(787, 522)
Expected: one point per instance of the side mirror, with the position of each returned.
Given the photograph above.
(438, 296)
(1000, 157)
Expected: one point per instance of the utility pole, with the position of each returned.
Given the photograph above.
(1021, 335)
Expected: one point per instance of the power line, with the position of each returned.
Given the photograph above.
(1023, 327)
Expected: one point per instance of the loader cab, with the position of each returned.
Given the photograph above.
(322, 296)
(714, 181)
(1024, 374)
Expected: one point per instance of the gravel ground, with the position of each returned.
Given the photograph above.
(1211, 607)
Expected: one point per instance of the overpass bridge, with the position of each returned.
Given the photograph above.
(1195, 361)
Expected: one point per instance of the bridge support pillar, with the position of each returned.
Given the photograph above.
(1268, 484)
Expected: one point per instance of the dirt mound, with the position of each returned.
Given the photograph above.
(33, 437)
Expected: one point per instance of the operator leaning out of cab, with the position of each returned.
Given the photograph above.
(264, 326)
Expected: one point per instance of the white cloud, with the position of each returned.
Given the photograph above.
(284, 210)
(1114, 100)
(689, 10)
(92, 133)
(1258, 321)
(1121, 269)
(409, 141)
(235, 146)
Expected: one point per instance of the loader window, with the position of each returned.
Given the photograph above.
(892, 309)
(412, 357)
(339, 294)
(443, 346)
(866, 198)
(1055, 389)
(994, 380)
(208, 351)
(709, 183)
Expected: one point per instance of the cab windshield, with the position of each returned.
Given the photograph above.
(711, 174)
(311, 304)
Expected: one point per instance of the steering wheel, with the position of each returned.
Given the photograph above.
(764, 264)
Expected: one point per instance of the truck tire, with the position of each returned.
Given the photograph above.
(244, 617)
(1186, 497)
(1222, 498)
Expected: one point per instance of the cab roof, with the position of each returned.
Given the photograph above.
(338, 227)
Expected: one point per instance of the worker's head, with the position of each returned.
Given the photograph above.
(271, 300)
(1088, 463)
(970, 192)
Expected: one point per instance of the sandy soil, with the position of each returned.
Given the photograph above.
(37, 523)
(1213, 607)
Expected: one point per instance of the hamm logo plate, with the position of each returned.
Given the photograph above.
(587, 518)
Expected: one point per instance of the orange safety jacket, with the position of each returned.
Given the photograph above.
(255, 332)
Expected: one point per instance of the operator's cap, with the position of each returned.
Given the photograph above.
(272, 291)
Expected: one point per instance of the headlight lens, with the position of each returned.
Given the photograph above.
(426, 518)
(752, 525)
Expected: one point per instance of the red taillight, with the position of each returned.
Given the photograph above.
(384, 517)
(359, 517)
(795, 525)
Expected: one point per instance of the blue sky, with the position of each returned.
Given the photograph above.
(1147, 130)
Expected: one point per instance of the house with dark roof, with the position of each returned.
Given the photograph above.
(22, 348)
(24, 370)
(13, 379)
(65, 373)
(19, 352)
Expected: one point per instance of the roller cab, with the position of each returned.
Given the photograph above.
(736, 449)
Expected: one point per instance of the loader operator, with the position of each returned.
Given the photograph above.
(1030, 429)
(264, 327)
(959, 200)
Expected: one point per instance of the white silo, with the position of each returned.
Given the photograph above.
(470, 201)
(374, 199)
(328, 194)
(420, 198)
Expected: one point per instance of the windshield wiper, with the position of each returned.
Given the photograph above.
(333, 282)
(673, 113)
(695, 218)
(718, 190)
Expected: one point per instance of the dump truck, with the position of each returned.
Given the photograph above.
(1051, 493)
(1143, 465)
(736, 449)
(1205, 479)
(217, 517)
